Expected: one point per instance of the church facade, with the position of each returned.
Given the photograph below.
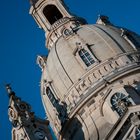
(90, 83)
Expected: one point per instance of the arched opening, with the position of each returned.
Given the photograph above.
(52, 13)
(51, 97)
(86, 57)
(61, 108)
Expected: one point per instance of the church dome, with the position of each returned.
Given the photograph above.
(91, 74)
(96, 43)
(88, 72)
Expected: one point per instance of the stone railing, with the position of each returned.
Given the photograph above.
(59, 23)
(57, 29)
(103, 73)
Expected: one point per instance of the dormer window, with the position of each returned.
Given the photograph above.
(131, 38)
(52, 13)
(86, 57)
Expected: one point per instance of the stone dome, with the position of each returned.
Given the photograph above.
(64, 67)
(92, 72)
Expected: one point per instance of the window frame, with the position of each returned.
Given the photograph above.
(80, 60)
(86, 57)
(52, 95)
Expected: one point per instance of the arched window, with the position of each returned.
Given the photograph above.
(120, 102)
(60, 108)
(52, 13)
(51, 97)
(86, 57)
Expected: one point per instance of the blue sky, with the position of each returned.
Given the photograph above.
(21, 41)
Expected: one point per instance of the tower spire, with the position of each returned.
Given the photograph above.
(26, 126)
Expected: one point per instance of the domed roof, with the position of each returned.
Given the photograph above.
(64, 66)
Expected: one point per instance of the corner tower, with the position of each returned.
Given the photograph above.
(26, 126)
(90, 84)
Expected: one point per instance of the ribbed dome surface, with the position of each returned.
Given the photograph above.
(63, 67)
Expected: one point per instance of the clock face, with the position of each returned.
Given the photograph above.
(39, 135)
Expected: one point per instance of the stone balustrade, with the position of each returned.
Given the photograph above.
(99, 75)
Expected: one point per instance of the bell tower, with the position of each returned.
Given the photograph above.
(26, 126)
(47, 12)
(54, 18)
